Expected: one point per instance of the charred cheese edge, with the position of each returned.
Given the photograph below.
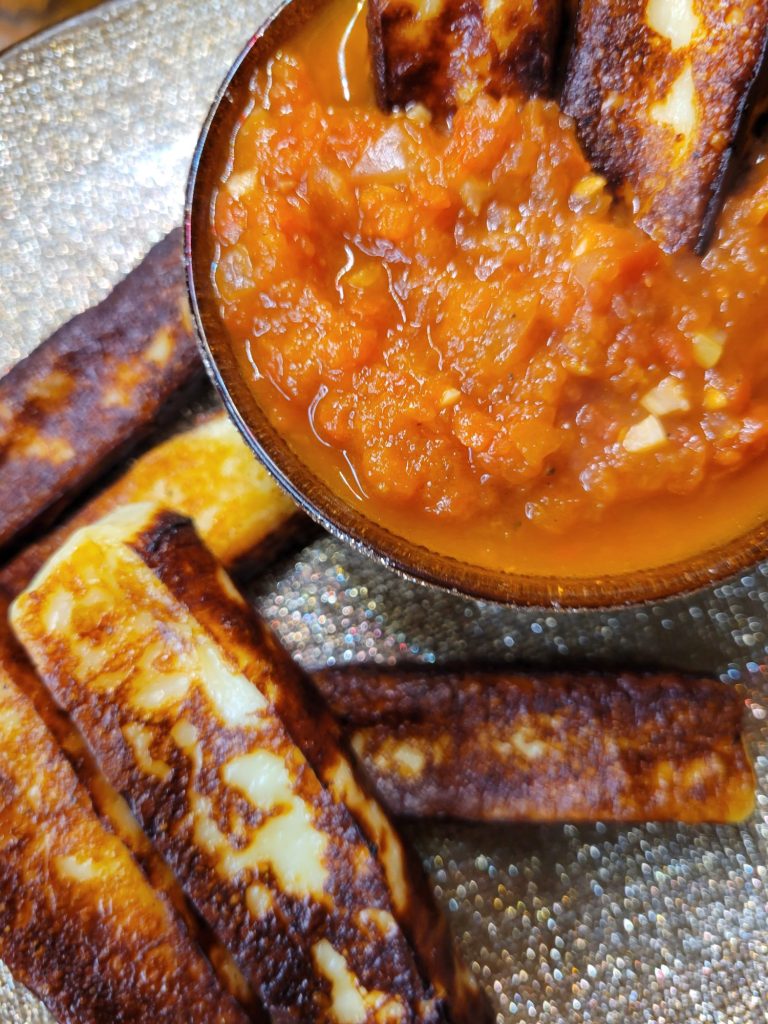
(189, 709)
(117, 817)
(207, 473)
(499, 745)
(440, 53)
(660, 91)
(80, 925)
(93, 390)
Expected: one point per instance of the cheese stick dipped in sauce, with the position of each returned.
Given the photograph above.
(660, 92)
(505, 370)
(440, 53)
(238, 774)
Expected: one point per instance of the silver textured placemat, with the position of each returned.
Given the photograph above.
(604, 925)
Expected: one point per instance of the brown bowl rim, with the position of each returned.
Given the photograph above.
(411, 561)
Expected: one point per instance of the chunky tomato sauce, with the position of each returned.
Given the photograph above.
(466, 338)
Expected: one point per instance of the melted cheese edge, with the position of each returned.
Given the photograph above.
(674, 20)
(678, 110)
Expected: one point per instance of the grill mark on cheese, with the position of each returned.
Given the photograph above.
(243, 819)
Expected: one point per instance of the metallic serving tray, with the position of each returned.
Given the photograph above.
(98, 120)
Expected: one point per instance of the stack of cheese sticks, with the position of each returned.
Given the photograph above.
(191, 827)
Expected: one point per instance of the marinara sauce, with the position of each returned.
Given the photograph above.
(467, 338)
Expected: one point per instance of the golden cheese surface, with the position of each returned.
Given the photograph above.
(184, 723)
(79, 923)
(207, 473)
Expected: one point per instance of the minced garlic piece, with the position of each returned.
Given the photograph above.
(714, 399)
(473, 194)
(645, 435)
(668, 396)
(588, 186)
(708, 347)
(418, 113)
(449, 397)
(364, 276)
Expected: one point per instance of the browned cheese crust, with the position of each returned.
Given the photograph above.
(203, 722)
(116, 815)
(440, 53)
(660, 93)
(75, 406)
(504, 746)
(79, 923)
(207, 473)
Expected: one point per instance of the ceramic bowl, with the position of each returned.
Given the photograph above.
(305, 487)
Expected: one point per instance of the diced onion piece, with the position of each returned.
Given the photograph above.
(645, 435)
(468, 90)
(238, 184)
(668, 396)
(708, 347)
(589, 194)
(386, 155)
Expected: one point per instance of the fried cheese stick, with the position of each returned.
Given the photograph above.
(207, 473)
(660, 92)
(658, 747)
(441, 54)
(80, 401)
(498, 745)
(80, 925)
(238, 773)
(116, 815)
